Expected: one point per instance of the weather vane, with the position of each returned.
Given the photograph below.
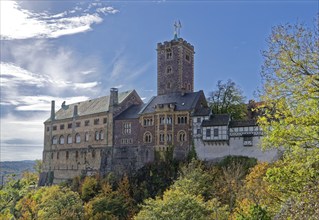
(177, 31)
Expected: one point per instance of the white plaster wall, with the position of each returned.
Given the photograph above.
(217, 150)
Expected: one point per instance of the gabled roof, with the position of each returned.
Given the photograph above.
(130, 113)
(243, 123)
(182, 102)
(89, 107)
(205, 111)
(217, 120)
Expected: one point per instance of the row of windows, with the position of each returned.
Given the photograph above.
(99, 135)
(168, 120)
(67, 155)
(181, 137)
(182, 120)
(208, 132)
(148, 121)
(169, 55)
(78, 124)
(165, 120)
(168, 137)
(127, 128)
(127, 141)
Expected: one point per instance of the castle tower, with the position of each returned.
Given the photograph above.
(175, 66)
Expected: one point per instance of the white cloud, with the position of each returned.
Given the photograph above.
(18, 23)
(88, 85)
(12, 75)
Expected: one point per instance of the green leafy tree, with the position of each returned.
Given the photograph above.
(180, 205)
(228, 98)
(194, 179)
(13, 191)
(90, 187)
(291, 87)
(110, 204)
(59, 203)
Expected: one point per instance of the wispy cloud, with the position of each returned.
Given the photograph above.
(19, 23)
(14, 76)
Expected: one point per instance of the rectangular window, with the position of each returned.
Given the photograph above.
(104, 120)
(198, 120)
(70, 125)
(54, 128)
(162, 120)
(96, 121)
(78, 124)
(248, 140)
(199, 131)
(87, 123)
(215, 132)
(127, 128)
(62, 127)
(207, 132)
(48, 128)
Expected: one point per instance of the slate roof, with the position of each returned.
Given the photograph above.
(130, 113)
(217, 120)
(243, 123)
(202, 112)
(89, 107)
(184, 102)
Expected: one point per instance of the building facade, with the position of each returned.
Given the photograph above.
(120, 134)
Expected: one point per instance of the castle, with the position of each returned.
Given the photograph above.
(120, 134)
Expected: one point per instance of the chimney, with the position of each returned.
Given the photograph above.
(52, 110)
(75, 111)
(114, 97)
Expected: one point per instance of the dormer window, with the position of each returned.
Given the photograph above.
(169, 54)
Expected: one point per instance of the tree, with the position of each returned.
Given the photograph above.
(291, 87)
(58, 203)
(90, 188)
(228, 98)
(181, 205)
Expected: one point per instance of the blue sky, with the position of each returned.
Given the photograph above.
(76, 50)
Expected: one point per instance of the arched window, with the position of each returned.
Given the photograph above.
(162, 137)
(182, 136)
(169, 137)
(61, 139)
(54, 140)
(97, 135)
(101, 135)
(86, 136)
(147, 137)
(69, 139)
(77, 138)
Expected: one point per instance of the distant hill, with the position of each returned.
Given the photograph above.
(8, 168)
